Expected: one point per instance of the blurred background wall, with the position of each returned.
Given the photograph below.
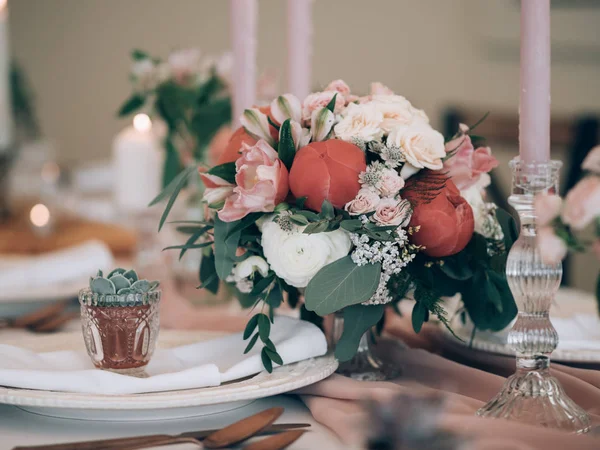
(438, 53)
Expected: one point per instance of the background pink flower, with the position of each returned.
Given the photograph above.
(582, 203)
(467, 164)
(318, 100)
(262, 182)
(552, 248)
(547, 208)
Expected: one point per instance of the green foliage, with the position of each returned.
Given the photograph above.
(172, 191)
(286, 149)
(209, 279)
(131, 105)
(121, 281)
(226, 244)
(331, 105)
(357, 320)
(340, 284)
(268, 353)
(172, 166)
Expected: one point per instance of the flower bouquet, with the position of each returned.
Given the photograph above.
(340, 203)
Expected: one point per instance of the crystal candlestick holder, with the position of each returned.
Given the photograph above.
(532, 395)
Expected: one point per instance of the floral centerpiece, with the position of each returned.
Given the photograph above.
(344, 203)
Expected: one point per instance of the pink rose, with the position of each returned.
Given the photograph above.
(547, 208)
(318, 100)
(392, 212)
(378, 88)
(365, 201)
(391, 183)
(552, 248)
(262, 182)
(339, 86)
(466, 165)
(592, 161)
(582, 203)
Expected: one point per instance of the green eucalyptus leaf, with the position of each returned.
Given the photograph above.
(251, 326)
(274, 356)
(102, 286)
(275, 297)
(251, 343)
(300, 201)
(226, 244)
(351, 225)
(172, 165)
(298, 219)
(139, 55)
(266, 360)
(173, 187)
(340, 284)
(327, 211)
(120, 281)
(264, 327)
(269, 344)
(419, 316)
(358, 319)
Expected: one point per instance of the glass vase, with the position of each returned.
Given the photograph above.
(365, 365)
(532, 395)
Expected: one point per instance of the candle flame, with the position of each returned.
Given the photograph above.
(40, 214)
(141, 122)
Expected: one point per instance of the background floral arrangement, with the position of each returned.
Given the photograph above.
(347, 203)
(191, 94)
(562, 222)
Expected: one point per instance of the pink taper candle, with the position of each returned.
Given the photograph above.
(534, 111)
(299, 41)
(243, 37)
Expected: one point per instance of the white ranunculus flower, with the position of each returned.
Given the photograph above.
(250, 265)
(361, 122)
(421, 145)
(297, 257)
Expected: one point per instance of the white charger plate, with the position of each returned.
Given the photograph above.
(568, 303)
(162, 405)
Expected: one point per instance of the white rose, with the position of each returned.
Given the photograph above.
(365, 201)
(474, 198)
(392, 212)
(297, 257)
(421, 145)
(185, 62)
(250, 265)
(391, 183)
(397, 111)
(361, 122)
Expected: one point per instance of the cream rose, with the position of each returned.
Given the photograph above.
(392, 212)
(365, 201)
(391, 183)
(361, 122)
(397, 111)
(421, 145)
(297, 257)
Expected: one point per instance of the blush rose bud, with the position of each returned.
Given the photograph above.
(285, 107)
(257, 125)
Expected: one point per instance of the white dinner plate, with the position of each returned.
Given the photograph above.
(569, 303)
(162, 405)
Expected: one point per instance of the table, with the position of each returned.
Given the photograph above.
(18, 427)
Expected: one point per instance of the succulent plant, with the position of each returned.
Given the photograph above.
(121, 281)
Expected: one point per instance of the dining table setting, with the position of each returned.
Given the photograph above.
(314, 269)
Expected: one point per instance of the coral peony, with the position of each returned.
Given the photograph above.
(445, 218)
(327, 170)
(262, 183)
(234, 148)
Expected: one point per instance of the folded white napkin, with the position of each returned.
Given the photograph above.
(202, 364)
(70, 264)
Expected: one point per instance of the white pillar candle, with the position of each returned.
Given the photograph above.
(243, 37)
(138, 163)
(299, 43)
(5, 97)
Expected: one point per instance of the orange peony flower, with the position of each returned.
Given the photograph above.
(233, 149)
(445, 218)
(327, 170)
